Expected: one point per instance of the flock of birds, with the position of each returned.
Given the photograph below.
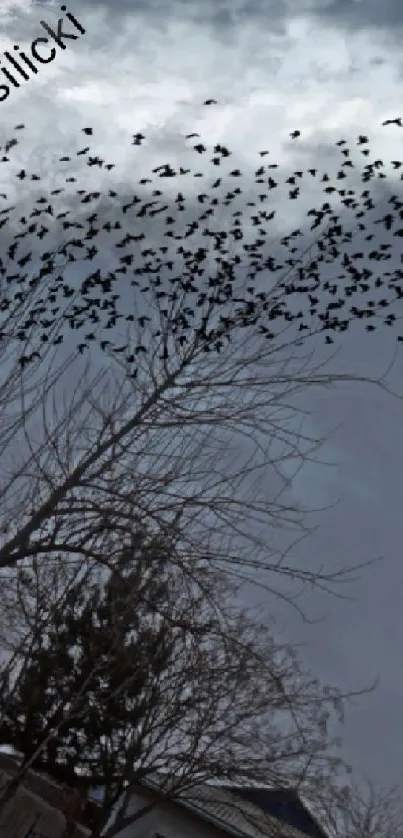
(191, 297)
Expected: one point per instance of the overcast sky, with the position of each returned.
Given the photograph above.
(333, 69)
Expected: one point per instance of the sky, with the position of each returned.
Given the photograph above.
(333, 69)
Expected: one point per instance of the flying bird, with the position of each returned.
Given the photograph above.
(210, 102)
(177, 276)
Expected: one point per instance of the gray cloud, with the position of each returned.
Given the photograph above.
(353, 15)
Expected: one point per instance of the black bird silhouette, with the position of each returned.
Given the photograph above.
(87, 131)
(215, 221)
(210, 102)
(397, 121)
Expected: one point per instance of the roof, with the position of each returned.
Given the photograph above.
(219, 806)
(284, 803)
(234, 815)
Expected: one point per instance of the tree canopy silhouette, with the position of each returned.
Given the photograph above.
(135, 676)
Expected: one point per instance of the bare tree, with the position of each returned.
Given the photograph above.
(192, 423)
(360, 810)
(141, 676)
(199, 401)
